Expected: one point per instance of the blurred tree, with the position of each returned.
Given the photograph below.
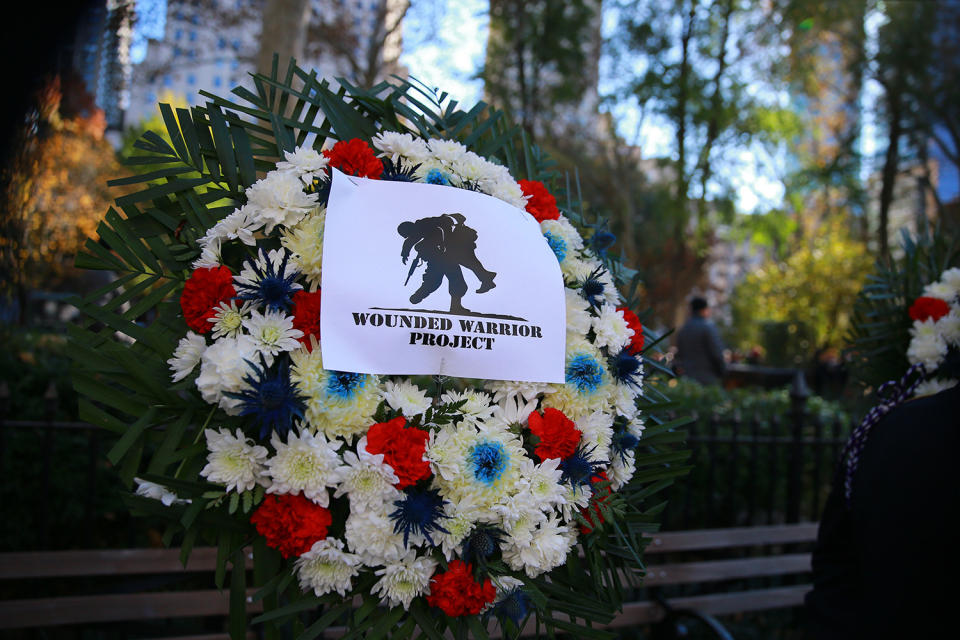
(814, 286)
(56, 194)
(283, 30)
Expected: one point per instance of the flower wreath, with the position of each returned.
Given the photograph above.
(935, 334)
(412, 493)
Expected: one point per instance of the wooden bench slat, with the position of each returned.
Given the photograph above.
(670, 541)
(47, 612)
(713, 570)
(99, 562)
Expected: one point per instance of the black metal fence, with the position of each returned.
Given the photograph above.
(758, 469)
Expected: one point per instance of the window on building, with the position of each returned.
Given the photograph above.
(193, 35)
(191, 79)
(234, 64)
(222, 43)
(217, 81)
(178, 34)
(167, 80)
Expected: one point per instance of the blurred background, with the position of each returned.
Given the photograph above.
(760, 154)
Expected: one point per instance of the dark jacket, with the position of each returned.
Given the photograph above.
(700, 351)
(890, 566)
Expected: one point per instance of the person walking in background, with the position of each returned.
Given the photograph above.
(699, 348)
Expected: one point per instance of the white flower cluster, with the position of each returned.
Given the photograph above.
(932, 337)
(483, 483)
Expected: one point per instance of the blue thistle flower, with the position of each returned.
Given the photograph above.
(601, 241)
(482, 543)
(397, 172)
(625, 369)
(419, 511)
(515, 605)
(578, 468)
(593, 287)
(345, 384)
(488, 460)
(623, 442)
(435, 176)
(557, 245)
(585, 373)
(272, 287)
(270, 399)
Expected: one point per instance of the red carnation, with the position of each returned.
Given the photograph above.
(636, 342)
(355, 158)
(202, 292)
(291, 523)
(306, 315)
(925, 307)
(558, 434)
(402, 448)
(456, 593)
(592, 513)
(541, 205)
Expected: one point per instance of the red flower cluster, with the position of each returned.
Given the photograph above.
(592, 513)
(291, 523)
(306, 315)
(636, 342)
(558, 434)
(402, 448)
(456, 593)
(203, 291)
(355, 158)
(925, 307)
(541, 205)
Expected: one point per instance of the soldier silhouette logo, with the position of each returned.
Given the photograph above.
(444, 244)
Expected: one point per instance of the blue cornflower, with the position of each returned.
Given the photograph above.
(625, 369)
(557, 245)
(515, 605)
(482, 543)
(488, 460)
(345, 383)
(623, 442)
(418, 512)
(578, 468)
(267, 282)
(585, 373)
(270, 399)
(593, 287)
(435, 176)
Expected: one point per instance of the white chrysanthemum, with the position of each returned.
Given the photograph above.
(478, 467)
(305, 162)
(520, 519)
(405, 579)
(949, 327)
(472, 168)
(458, 525)
(210, 256)
(282, 267)
(395, 146)
(951, 279)
(279, 199)
(542, 482)
(340, 404)
(623, 398)
(306, 463)
(370, 535)
(611, 329)
(187, 354)
(547, 550)
(228, 319)
(578, 312)
(927, 345)
(367, 480)
(234, 460)
(577, 498)
(621, 469)
(327, 567)
(512, 412)
(592, 271)
(509, 389)
(933, 387)
(597, 433)
(223, 366)
(159, 492)
(272, 332)
(406, 397)
(508, 191)
(561, 228)
(476, 408)
(240, 225)
(305, 243)
(446, 151)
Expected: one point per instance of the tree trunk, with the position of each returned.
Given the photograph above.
(890, 165)
(284, 32)
(683, 81)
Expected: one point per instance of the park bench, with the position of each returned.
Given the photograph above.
(762, 552)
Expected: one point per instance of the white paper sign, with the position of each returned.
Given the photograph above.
(429, 279)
